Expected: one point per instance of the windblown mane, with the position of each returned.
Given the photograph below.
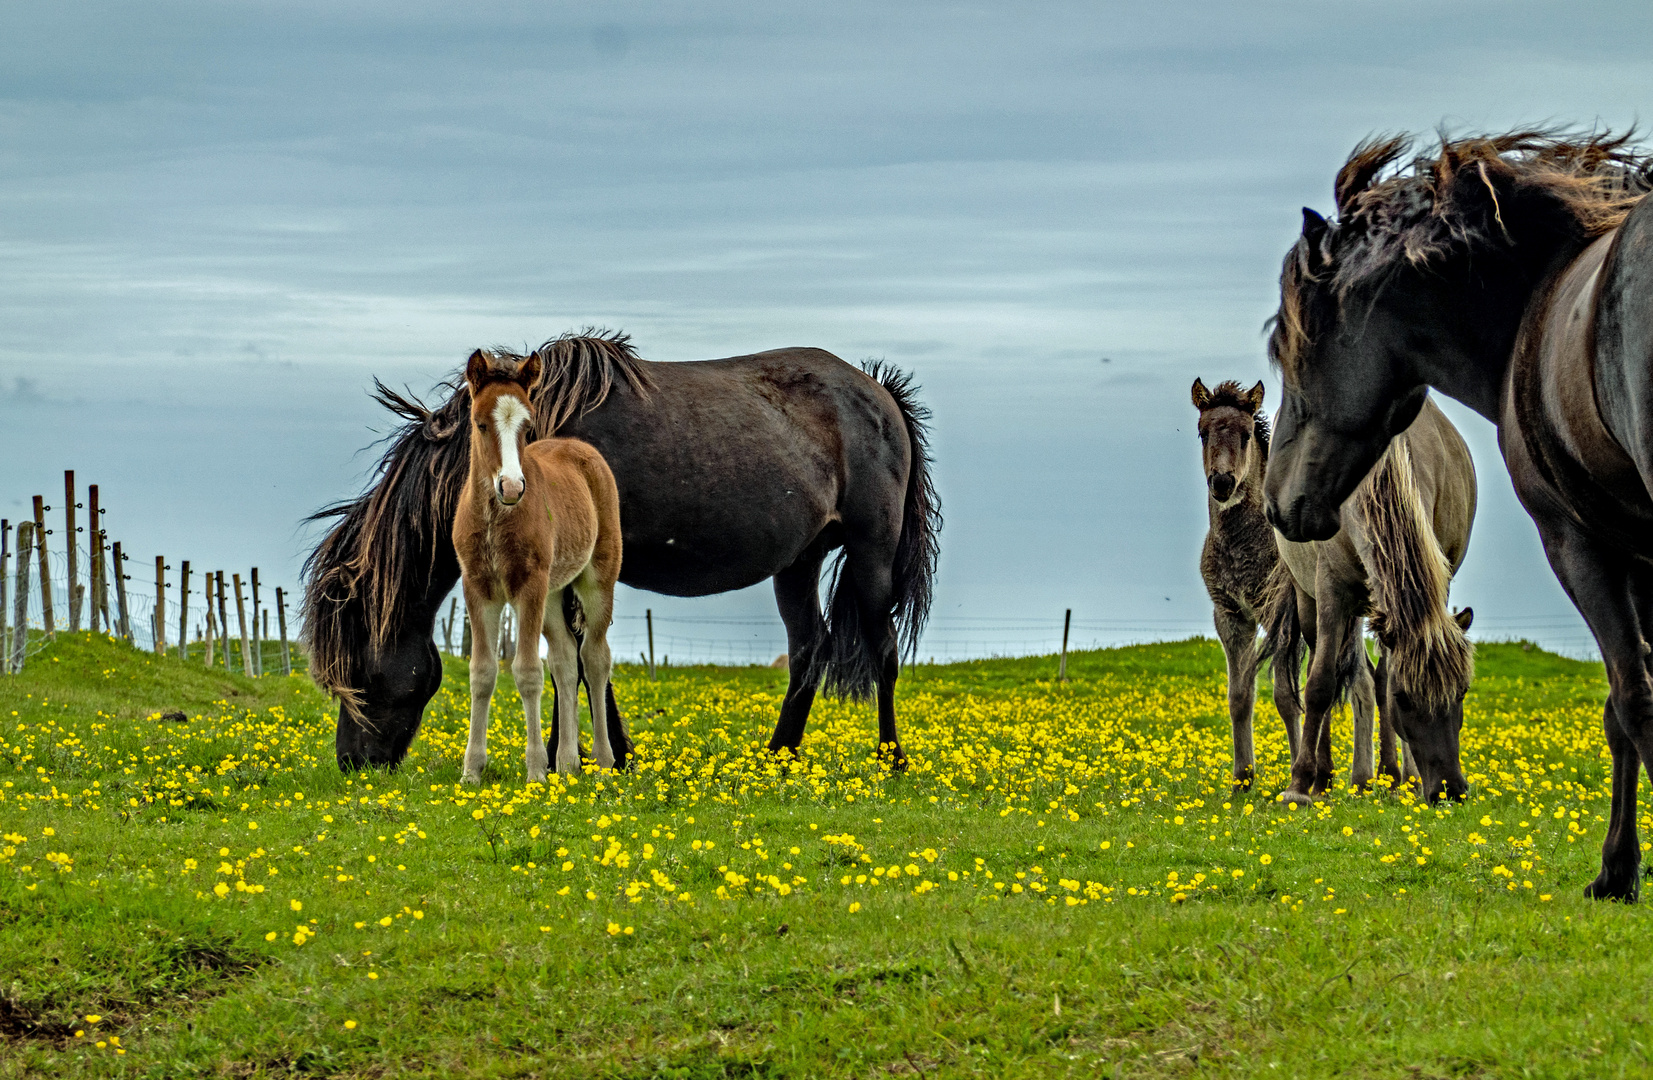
(1429, 655)
(356, 591)
(1453, 201)
(1231, 394)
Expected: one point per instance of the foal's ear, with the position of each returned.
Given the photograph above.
(1255, 396)
(528, 372)
(1464, 618)
(1202, 396)
(476, 370)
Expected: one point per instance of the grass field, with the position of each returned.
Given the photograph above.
(1062, 884)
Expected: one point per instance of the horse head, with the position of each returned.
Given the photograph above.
(502, 417)
(1426, 709)
(1233, 438)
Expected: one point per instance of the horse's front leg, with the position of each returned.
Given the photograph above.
(563, 658)
(530, 677)
(1363, 702)
(1238, 635)
(485, 617)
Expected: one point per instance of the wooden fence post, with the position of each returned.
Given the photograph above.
(465, 636)
(241, 619)
(1062, 668)
(447, 627)
(648, 615)
(45, 567)
(223, 623)
(100, 572)
(5, 612)
(212, 621)
(160, 605)
(258, 640)
(124, 612)
(20, 620)
(281, 621)
(73, 546)
(183, 611)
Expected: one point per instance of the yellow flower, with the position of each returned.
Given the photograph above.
(854, 907)
(350, 1025)
(1265, 859)
(296, 905)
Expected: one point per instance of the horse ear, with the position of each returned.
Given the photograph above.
(1255, 396)
(528, 373)
(476, 370)
(1464, 618)
(1202, 396)
(1315, 228)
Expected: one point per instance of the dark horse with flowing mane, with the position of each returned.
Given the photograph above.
(1515, 273)
(729, 472)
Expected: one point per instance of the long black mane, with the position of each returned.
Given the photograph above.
(1462, 198)
(386, 537)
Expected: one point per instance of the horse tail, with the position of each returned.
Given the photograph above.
(1429, 654)
(1282, 645)
(849, 661)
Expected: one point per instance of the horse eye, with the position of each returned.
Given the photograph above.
(482, 427)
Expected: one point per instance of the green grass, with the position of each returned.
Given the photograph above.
(1325, 960)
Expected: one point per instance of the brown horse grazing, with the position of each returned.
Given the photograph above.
(535, 518)
(1401, 537)
(1240, 562)
(1514, 273)
(729, 472)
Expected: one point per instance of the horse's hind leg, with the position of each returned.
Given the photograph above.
(563, 658)
(1238, 635)
(595, 660)
(485, 617)
(530, 677)
(798, 596)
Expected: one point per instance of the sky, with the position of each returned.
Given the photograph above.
(218, 223)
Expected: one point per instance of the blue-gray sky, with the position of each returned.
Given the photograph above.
(219, 221)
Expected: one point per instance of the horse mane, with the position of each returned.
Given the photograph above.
(1429, 654)
(1231, 394)
(356, 579)
(1458, 199)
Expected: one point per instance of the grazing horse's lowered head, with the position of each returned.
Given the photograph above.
(1233, 439)
(1426, 711)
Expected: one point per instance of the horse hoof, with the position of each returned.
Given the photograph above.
(536, 776)
(1607, 887)
(470, 778)
(1296, 797)
(605, 761)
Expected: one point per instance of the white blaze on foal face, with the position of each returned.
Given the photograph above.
(510, 417)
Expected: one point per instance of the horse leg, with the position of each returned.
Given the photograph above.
(595, 660)
(563, 658)
(869, 566)
(485, 618)
(1238, 635)
(1287, 690)
(798, 596)
(530, 676)
(1608, 594)
(1363, 702)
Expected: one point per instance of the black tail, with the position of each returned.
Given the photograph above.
(1283, 643)
(849, 663)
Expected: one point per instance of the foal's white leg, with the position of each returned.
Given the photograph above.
(563, 657)
(484, 673)
(598, 663)
(530, 676)
(1363, 701)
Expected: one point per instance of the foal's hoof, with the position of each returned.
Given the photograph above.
(470, 778)
(1289, 796)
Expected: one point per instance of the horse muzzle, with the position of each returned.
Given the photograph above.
(1222, 485)
(508, 490)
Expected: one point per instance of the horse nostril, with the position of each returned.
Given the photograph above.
(1222, 485)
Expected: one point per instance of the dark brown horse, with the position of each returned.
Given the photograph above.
(729, 471)
(1514, 273)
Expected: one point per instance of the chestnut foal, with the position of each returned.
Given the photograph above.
(535, 518)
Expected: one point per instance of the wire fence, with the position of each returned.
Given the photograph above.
(72, 581)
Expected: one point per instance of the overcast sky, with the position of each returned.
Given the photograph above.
(218, 221)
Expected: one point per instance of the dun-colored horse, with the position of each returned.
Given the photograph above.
(534, 519)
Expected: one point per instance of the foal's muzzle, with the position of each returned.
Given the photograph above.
(509, 490)
(1222, 486)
